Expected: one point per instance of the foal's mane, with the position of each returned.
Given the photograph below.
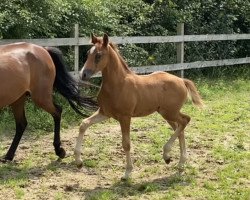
(115, 48)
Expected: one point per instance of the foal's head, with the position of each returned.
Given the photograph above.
(98, 57)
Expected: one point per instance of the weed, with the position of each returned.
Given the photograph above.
(103, 195)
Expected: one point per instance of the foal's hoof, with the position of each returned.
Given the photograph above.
(124, 178)
(61, 153)
(181, 169)
(168, 160)
(79, 164)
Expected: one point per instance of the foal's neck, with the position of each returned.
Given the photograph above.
(116, 70)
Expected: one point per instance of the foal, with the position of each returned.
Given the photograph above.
(124, 94)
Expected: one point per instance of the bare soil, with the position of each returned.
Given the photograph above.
(36, 173)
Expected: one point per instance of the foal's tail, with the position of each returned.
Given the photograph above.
(66, 85)
(193, 92)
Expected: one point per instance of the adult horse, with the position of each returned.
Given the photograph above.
(124, 94)
(29, 69)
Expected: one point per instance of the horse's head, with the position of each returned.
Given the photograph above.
(97, 57)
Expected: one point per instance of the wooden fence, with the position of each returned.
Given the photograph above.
(179, 39)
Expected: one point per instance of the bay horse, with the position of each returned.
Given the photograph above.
(124, 95)
(29, 69)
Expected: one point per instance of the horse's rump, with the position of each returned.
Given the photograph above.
(22, 69)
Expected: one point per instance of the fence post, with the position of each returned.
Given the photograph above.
(180, 47)
(76, 34)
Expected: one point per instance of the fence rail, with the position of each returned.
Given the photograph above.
(132, 40)
(197, 64)
(179, 39)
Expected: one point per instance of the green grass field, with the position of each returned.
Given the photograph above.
(218, 145)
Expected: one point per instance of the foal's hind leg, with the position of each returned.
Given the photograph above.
(178, 123)
(21, 123)
(182, 144)
(47, 104)
(95, 118)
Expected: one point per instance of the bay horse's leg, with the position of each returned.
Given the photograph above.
(95, 118)
(125, 128)
(21, 123)
(46, 103)
(57, 124)
(181, 120)
(181, 137)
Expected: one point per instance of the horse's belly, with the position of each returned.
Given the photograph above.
(141, 110)
(11, 90)
(7, 98)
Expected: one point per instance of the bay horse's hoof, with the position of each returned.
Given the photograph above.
(6, 158)
(61, 153)
(3, 160)
(168, 160)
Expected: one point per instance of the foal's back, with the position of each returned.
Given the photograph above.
(145, 94)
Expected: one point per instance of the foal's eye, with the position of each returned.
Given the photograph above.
(98, 57)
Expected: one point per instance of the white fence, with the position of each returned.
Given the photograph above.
(179, 39)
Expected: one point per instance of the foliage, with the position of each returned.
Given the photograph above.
(48, 19)
(202, 17)
(28, 18)
(217, 17)
(139, 58)
(132, 16)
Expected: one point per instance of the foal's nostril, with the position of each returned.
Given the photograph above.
(86, 74)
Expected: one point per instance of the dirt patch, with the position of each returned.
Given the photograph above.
(36, 172)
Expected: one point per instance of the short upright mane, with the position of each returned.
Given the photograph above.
(115, 48)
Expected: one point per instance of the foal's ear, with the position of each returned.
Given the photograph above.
(105, 40)
(93, 39)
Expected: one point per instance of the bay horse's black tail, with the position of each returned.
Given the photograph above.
(66, 85)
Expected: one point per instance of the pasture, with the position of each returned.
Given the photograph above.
(218, 146)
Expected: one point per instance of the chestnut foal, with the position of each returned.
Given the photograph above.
(124, 94)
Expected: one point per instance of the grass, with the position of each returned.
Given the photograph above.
(218, 144)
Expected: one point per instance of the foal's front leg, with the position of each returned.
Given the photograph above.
(125, 128)
(95, 118)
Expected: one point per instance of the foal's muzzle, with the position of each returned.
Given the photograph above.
(86, 74)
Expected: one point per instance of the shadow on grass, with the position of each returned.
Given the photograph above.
(126, 189)
(18, 172)
(13, 172)
(22, 174)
